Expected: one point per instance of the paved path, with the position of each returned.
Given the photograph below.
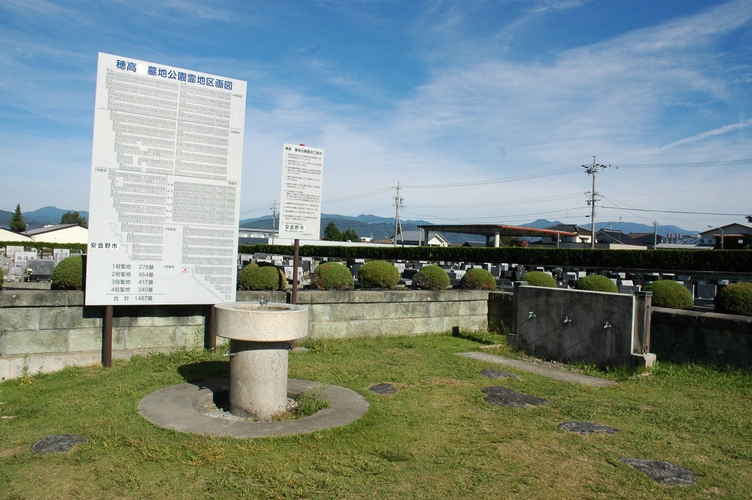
(545, 371)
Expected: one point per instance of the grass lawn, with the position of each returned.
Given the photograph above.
(434, 438)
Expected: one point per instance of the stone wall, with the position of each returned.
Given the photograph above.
(339, 314)
(701, 337)
(43, 331)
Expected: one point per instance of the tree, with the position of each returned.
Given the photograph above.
(73, 218)
(350, 235)
(16, 222)
(331, 232)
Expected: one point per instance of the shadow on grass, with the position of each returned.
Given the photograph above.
(204, 370)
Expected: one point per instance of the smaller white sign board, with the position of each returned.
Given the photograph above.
(302, 180)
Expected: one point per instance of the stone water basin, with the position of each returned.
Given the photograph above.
(252, 322)
(260, 336)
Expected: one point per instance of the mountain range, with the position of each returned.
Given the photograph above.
(364, 224)
(39, 218)
(383, 227)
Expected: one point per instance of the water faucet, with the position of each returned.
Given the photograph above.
(262, 302)
(530, 315)
(567, 319)
(606, 325)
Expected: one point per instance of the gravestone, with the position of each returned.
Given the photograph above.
(21, 257)
(60, 253)
(41, 269)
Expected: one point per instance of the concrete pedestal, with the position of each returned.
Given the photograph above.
(258, 379)
(260, 336)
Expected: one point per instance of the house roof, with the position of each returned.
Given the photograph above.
(574, 228)
(493, 229)
(49, 229)
(617, 237)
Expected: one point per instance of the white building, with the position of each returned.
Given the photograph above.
(60, 233)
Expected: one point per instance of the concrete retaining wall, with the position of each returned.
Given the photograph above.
(707, 338)
(339, 314)
(44, 331)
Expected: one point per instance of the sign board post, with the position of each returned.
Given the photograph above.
(300, 201)
(165, 185)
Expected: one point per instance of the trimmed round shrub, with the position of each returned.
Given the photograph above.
(597, 283)
(670, 294)
(478, 278)
(332, 276)
(378, 274)
(432, 277)
(256, 277)
(68, 274)
(539, 278)
(734, 299)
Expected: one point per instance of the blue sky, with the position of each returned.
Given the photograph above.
(484, 111)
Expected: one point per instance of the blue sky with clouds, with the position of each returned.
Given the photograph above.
(484, 111)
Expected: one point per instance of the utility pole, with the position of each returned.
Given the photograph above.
(273, 208)
(592, 170)
(655, 234)
(398, 203)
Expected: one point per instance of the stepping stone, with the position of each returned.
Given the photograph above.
(586, 428)
(503, 396)
(383, 389)
(662, 472)
(498, 374)
(55, 444)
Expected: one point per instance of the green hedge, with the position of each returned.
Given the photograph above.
(378, 274)
(68, 274)
(255, 277)
(432, 277)
(332, 276)
(597, 283)
(478, 278)
(670, 294)
(654, 260)
(40, 245)
(539, 278)
(734, 299)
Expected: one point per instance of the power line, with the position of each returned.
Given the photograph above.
(676, 212)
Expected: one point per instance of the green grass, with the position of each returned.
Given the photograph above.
(434, 438)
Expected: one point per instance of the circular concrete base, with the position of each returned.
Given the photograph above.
(182, 408)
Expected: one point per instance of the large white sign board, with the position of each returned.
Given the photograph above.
(302, 180)
(165, 185)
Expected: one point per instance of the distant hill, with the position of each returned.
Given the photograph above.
(39, 218)
(383, 227)
(364, 224)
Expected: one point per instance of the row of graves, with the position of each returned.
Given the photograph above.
(22, 265)
(505, 273)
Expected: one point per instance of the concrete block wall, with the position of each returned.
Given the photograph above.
(44, 331)
(575, 325)
(700, 337)
(500, 312)
(340, 314)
